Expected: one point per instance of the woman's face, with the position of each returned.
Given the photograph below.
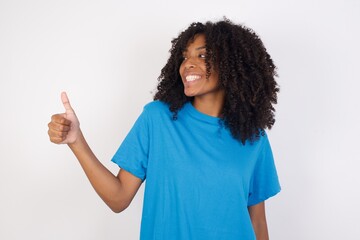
(193, 71)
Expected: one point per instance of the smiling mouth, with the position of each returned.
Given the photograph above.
(191, 78)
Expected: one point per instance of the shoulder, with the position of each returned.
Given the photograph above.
(264, 143)
(263, 138)
(155, 105)
(259, 142)
(156, 108)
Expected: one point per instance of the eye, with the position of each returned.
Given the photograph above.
(202, 56)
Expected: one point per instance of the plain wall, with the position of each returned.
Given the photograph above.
(108, 54)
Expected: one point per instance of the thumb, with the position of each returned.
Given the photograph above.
(66, 103)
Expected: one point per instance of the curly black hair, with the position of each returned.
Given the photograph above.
(246, 73)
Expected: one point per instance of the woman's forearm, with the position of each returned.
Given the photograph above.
(258, 219)
(106, 184)
(116, 191)
(261, 230)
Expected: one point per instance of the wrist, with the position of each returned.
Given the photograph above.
(78, 141)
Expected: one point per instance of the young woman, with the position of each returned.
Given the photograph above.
(201, 145)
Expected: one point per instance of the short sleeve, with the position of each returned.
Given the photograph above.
(264, 182)
(133, 152)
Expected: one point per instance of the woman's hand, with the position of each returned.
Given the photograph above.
(64, 128)
(116, 191)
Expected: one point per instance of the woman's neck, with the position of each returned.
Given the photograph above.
(210, 105)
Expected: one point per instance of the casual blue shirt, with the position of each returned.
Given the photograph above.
(199, 179)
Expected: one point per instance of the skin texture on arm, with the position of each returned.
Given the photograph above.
(258, 219)
(116, 191)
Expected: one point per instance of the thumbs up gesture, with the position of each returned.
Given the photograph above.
(64, 128)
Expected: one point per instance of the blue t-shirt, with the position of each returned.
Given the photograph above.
(199, 179)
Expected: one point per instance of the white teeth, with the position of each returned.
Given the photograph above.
(191, 78)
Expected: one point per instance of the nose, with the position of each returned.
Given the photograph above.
(189, 63)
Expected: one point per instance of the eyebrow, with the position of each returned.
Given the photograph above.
(197, 49)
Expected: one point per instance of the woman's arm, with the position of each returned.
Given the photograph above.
(116, 191)
(258, 219)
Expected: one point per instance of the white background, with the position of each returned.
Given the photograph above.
(108, 54)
